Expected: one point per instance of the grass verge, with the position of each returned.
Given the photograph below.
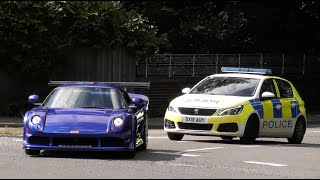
(12, 131)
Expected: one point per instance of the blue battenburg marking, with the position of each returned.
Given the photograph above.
(295, 111)
(256, 104)
(277, 113)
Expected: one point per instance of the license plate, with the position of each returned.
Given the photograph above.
(197, 120)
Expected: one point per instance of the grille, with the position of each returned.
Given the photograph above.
(39, 140)
(111, 141)
(228, 127)
(195, 126)
(200, 112)
(93, 142)
(169, 124)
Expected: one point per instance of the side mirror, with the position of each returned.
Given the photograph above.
(137, 101)
(185, 90)
(267, 95)
(33, 99)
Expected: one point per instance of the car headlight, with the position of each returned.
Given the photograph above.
(171, 109)
(118, 122)
(36, 120)
(231, 111)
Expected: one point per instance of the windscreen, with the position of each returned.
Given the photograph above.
(85, 97)
(229, 86)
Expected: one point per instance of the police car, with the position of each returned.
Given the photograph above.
(240, 102)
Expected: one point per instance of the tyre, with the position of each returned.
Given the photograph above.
(175, 137)
(226, 137)
(298, 133)
(251, 131)
(32, 152)
(144, 135)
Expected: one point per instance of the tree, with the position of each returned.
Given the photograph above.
(35, 35)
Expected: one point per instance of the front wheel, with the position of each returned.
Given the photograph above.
(32, 152)
(175, 136)
(251, 131)
(299, 131)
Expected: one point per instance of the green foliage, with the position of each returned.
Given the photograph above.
(35, 35)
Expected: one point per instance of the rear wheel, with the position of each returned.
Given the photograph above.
(144, 134)
(32, 152)
(175, 136)
(251, 131)
(299, 131)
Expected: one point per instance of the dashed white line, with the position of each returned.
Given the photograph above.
(249, 146)
(18, 140)
(184, 154)
(264, 163)
(191, 150)
(157, 137)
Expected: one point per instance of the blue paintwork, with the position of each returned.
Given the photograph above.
(256, 104)
(86, 122)
(33, 98)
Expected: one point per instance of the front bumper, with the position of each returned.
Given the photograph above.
(81, 142)
(230, 125)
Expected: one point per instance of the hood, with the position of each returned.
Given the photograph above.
(81, 120)
(208, 101)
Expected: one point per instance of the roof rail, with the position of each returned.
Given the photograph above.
(246, 70)
(118, 84)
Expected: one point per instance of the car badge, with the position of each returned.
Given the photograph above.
(196, 112)
(74, 132)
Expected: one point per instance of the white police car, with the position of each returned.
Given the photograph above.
(241, 102)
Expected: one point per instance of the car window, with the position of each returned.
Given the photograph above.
(284, 89)
(230, 86)
(267, 86)
(84, 97)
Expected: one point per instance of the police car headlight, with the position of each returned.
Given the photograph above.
(36, 120)
(231, 111)
(171, 109)
(118, 122)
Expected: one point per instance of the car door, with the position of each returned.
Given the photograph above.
(272, 110)
(289, 107)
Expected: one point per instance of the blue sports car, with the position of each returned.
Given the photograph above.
(94, 116)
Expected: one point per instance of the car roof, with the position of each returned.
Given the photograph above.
(244, 75)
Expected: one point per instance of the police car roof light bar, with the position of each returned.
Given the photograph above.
(246, 70)
(119, 84)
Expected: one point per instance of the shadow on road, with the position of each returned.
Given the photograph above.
(260, 142)
(145, 155)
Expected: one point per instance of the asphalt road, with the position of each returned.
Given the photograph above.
(193, 157)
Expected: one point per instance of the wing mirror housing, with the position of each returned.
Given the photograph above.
(267, 95)
(185, 90)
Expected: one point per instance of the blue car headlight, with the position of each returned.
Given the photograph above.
(117, 122)
(35, 119)
(231, 111)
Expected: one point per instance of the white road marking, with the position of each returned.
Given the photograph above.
(316, 131)
(251, 146)
(157, 137)
(263, 163)
(191, 150)
(184, 154)
(18, 140)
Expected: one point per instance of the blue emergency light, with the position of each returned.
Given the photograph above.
(246, 70)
